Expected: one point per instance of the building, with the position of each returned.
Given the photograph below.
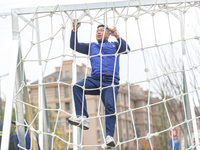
(132, 118)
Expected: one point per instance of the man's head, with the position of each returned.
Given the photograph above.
(100, 32)
(14, 122)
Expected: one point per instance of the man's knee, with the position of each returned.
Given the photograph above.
(78, 86)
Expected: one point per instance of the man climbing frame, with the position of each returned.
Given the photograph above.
(107, 67)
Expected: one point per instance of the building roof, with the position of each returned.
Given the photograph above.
(55, 75)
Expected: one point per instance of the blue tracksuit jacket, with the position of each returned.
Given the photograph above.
(108, 50)
(28, 140)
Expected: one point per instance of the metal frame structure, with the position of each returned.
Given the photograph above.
(16, 73)
(100, 5)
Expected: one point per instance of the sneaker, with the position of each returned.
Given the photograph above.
(80, 121)
(110, 142)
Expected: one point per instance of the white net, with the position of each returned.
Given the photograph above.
(159, 76)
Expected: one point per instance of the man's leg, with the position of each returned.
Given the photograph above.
(109, 102)
(79, 97)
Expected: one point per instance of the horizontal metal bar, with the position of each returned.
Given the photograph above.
(100, 5)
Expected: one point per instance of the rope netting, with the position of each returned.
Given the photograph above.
(159, 36)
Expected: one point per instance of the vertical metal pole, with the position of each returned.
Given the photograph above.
(19, 106)
(29, 115)
(165, 122)
(1, 109)
(40, 87)
(0, 101)
(46, 124)
(194, 123)
(187, 85)
(104, 22)
(76, 130)
(9, 98)
(40, 102)
(15, 77)
(188, 113)
(44, 114)
(185, 134)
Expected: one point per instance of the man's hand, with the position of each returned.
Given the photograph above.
(76, 25)
(114, 32)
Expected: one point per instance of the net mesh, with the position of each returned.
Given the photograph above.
(150, 103)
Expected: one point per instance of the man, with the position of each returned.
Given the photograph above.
(28, 138)
(12, 142)
(105, 67)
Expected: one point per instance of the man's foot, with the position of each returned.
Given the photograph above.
(104, 146)
(80, 121)
(110, 142)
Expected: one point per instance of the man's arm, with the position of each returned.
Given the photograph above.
(121, 44)
(75, 45)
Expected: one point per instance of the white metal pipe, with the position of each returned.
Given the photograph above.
(40, 87)
(100, 5)
(19, 103)
(76, 130)
(10, 97)
(41, 106)
(187, 81)
(192, 108)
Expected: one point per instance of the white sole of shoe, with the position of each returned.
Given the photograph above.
(111, 144)
(104, 146)
(78, 124)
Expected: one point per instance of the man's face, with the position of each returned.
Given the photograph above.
(100, 32)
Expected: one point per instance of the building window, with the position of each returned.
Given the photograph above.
(122, 97)
(130, 136)
(129, 113)
(50, 80)
(59, 122)
(144, 103)
(67, 106)
(152, 129)
(147, 128)
(137, 130)
(127, 99)
(123, 124)
(57, 105)
(56, 92)
(145, 116)
(67, 74)
(66, 91)
(122, 110)
(130, 125)
(99, 135)
(124, 137)
(67, 124)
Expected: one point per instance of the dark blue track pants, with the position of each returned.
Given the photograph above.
(107, 97)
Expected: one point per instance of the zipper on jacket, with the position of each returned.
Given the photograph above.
(105, 58)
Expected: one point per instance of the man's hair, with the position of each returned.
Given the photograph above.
(102, 25)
